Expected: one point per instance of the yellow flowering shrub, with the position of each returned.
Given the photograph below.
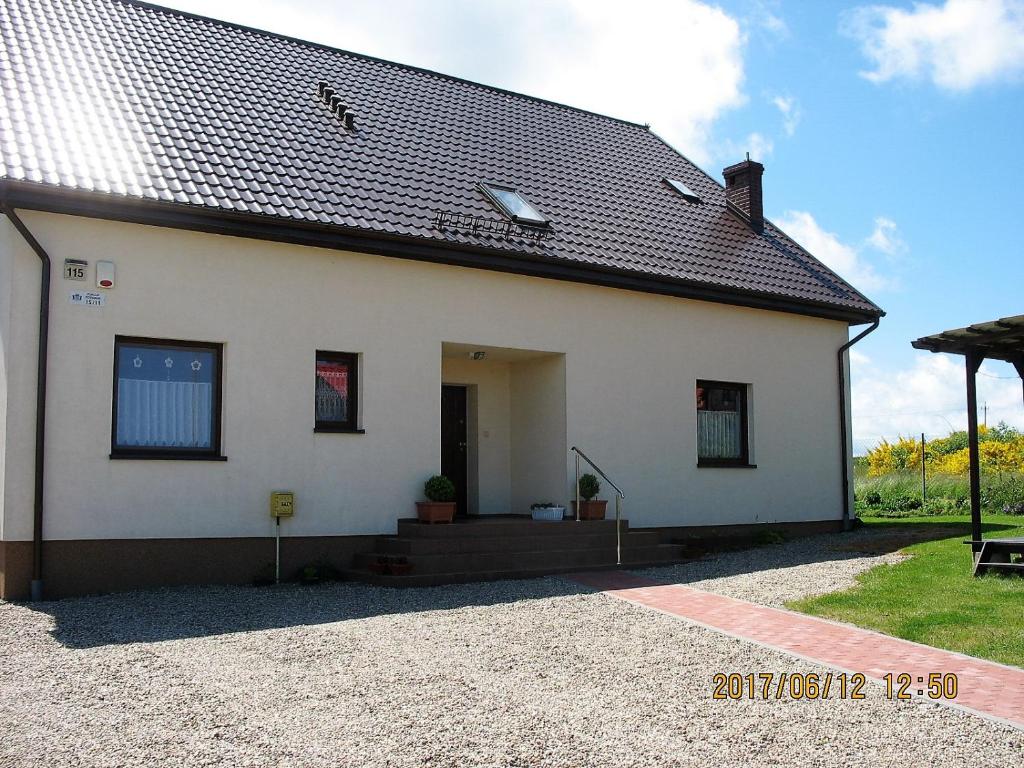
(901, 456)
(1001, 450)
(951, 464)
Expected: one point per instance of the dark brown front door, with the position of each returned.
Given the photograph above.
(453, 441)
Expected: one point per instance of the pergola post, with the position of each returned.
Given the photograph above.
(1001, 339)
(973, 363)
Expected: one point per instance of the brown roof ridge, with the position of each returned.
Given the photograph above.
(378, 60)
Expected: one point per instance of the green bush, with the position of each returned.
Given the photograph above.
(941, 506)
(901, 492)
(589, 486)
(1004, 496)
(439, 488)
(902, 502)
(316, 572)
(769, 536)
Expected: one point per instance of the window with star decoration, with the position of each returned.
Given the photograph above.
(167, 397)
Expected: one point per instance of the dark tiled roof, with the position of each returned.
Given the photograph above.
(140, 103)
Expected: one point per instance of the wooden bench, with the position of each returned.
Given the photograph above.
(997, 555)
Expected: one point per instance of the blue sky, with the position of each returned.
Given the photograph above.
(890, 135)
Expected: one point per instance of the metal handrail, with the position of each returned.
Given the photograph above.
(618, 499)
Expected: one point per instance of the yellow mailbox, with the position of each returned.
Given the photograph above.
(282, 504)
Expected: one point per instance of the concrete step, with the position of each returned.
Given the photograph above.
(548, 561)
(539, 541)
(503, 527)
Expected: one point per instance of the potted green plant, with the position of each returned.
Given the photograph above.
(440, 504)
(590, 508)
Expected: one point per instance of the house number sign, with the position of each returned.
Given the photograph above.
(88, 298)
(74, 269)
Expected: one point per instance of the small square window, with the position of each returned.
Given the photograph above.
(722, 438)
(337, 392)
(166, 399)
(514, 205)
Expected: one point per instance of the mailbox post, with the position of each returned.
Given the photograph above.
(282, 504)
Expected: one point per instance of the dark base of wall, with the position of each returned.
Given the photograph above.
(737, 534)
(84, 567)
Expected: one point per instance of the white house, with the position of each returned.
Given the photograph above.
(275, 265)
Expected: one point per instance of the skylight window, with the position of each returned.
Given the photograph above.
(688, 194)
(514, 205)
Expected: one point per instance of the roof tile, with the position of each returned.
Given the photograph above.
(127, 98)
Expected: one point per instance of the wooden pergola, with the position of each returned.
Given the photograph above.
(1001, 339)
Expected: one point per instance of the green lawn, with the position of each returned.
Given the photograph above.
(932, 597)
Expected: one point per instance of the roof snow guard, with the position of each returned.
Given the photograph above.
(237, 142)
(464, 222)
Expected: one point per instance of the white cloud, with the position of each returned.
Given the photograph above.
(678, 65)
(790, 110)
(858, 358)
(757, 144)
(929, 396)
(886, 237)
(774, 24)
(842, 258)
(763, 14)
(958, 45)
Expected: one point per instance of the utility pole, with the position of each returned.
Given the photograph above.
(985, 419)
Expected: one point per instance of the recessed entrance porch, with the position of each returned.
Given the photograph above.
(502, 432)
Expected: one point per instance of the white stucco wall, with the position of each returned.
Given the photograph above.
(7, 257)
(538, 432)
(630, 364)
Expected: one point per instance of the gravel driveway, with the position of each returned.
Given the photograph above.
(529, 673)
(773, 575)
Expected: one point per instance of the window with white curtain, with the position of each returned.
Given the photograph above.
(722, 424)
(166, 399)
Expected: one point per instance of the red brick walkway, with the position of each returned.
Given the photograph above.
(986, 688)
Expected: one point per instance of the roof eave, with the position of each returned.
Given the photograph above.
(102, 205)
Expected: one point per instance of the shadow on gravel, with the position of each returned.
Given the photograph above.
(194, 612)
(825, 548)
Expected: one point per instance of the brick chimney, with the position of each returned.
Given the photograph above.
(743, 192)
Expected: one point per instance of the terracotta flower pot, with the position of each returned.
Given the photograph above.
(435, 511)
(591, 510)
